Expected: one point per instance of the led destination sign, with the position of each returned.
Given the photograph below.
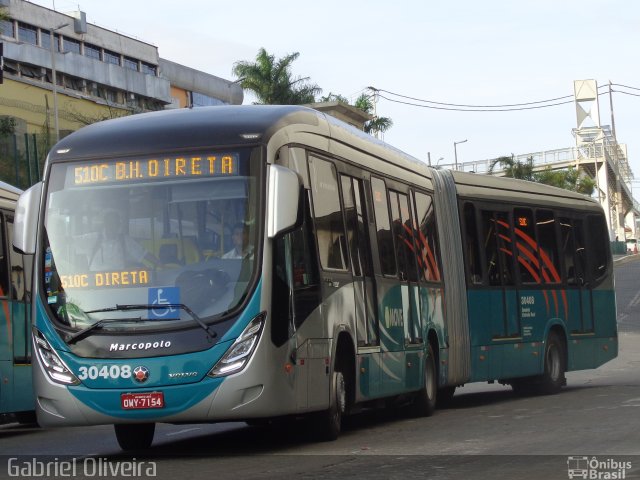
(185, 166)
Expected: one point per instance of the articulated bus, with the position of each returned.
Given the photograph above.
(271, 262)
(16, 394)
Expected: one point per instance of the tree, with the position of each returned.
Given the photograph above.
(376, 125)
(4, 15)
(514, 168)
(569, 179)
(272, 82)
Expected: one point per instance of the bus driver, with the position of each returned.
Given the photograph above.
(112, 249)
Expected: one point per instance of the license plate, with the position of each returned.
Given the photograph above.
(135, 401)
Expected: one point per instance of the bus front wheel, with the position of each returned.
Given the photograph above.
(424, 403)
(137, 436)
(329, 422)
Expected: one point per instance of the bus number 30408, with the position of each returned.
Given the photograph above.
(104, 371)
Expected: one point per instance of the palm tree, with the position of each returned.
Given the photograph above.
(376, 125)
(514, 168)
(271, 80)
(569, 179)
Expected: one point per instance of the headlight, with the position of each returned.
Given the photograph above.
(240, 352)
(51, 362)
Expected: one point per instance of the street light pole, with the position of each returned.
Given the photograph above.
(455, 151)
(55, 80)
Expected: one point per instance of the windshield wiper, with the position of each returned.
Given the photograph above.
(143, 306)
(99, 324)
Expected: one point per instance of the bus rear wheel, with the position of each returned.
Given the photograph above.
(553, 379)
(137, 436)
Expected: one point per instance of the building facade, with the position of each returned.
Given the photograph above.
(99, 73)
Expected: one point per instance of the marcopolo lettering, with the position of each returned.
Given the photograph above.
(120, 347)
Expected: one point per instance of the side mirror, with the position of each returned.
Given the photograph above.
(283, 201)
(25, 224)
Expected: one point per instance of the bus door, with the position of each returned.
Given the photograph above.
(502, 303)
(393, 298)
(361, 268)
(15, 354)
(19, 304)
(364, 287)
(404, 235)
(332, 243)
(505, 322)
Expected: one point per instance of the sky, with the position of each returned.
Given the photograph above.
(490, 52)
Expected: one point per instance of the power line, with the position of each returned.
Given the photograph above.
(472, 106)
(455, 107)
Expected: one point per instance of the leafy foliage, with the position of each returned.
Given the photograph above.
(272, 82)
(569, 179)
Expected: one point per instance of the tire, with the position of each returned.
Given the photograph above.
(445, 397)
(137, 436)
(27, 418)
(424, 403)
(553, 378)
(328, 424)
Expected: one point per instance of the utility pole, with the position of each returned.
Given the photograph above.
(613, 122)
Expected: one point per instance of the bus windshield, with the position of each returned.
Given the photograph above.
(151, 231)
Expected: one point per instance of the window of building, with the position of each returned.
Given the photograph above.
(201, 100)
(45, 39)
(70, 45)
(27, 33)
(6, 27)
(332, 245)
(92, 51)
(111, 57)
(148, 69)
(130, 63)
(383, 227)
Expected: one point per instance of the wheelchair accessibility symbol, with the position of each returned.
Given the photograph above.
(163, 296)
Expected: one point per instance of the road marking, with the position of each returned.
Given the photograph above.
(180, 432)
(635, 301)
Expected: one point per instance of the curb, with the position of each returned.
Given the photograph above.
(626, 258)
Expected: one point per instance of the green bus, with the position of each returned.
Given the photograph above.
(270, 262)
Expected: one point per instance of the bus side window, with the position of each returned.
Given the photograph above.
(4, 262)
(383, 227)
(472, 244)
(568, 250)
(580, 252)
(427, 239)
(548, 244)
(526, 249)
(598, 245)
(332, 244)
(18, 281)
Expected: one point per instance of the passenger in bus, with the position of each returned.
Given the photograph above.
(240, 238)
(112, 249)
